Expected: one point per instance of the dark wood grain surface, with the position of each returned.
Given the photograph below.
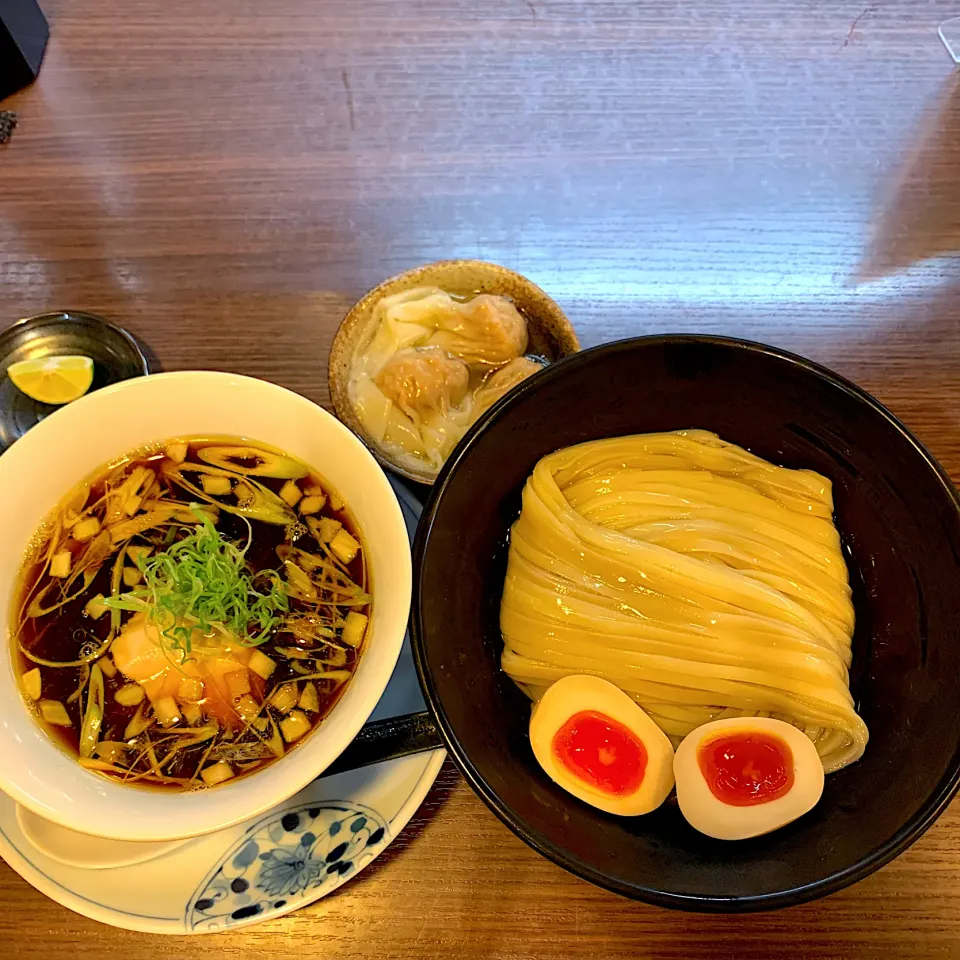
(225, 177)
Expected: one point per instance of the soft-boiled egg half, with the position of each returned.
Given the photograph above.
(747, 776)
(597, 744)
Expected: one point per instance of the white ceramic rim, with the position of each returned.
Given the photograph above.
(35, 771)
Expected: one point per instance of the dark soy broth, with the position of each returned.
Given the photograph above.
(212, 701)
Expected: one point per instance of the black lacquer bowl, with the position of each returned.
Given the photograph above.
(899, 517)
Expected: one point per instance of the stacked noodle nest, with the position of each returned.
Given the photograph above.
(702, 580)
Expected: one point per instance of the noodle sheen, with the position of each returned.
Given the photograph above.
(703, 581)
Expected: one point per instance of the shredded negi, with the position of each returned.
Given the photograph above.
(203, 582)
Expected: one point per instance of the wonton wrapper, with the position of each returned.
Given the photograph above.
(501, 382)
(485, 331)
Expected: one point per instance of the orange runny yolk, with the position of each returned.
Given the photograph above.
(602, 752)
(744, 769)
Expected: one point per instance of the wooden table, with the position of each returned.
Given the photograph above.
(226, 177)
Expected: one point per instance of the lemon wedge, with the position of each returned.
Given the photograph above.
(54, 380)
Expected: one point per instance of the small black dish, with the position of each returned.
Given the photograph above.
(115, 353)
(899, 516)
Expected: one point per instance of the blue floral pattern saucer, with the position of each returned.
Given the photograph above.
(290, 852)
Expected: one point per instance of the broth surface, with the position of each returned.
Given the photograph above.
(143, 692)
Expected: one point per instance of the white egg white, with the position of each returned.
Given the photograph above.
(725, 821)
(574, 694)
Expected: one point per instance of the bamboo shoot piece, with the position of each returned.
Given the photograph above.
(294, 726)
(111, 750)
(284, 698)
(177, 452)
(216, 773)
(138, 552)
(238, 682)
(54, 712)
(290, 493)
(309, 701)
(93, 714)
(167, 711)
(329, 528)
(261, 664)
(31, 681)
(214, 485)
(345, 546)
(266, 463)
(95, 607)
(86, 529)
(354, 628)
(248, 708)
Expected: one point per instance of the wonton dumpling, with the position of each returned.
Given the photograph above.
(487, 331)
(501, 382)
(423, 381)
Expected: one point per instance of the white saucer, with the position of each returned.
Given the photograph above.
(81, 850)
(263, 868)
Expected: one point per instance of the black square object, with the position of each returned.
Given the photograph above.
(23, 39)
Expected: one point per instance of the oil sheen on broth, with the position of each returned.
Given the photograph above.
(191, 612)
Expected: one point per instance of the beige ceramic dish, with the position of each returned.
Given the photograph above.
(551, 333)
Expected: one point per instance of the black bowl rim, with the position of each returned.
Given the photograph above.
(911, 831)
(9, 332)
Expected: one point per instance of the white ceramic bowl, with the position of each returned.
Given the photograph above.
(39, 469)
